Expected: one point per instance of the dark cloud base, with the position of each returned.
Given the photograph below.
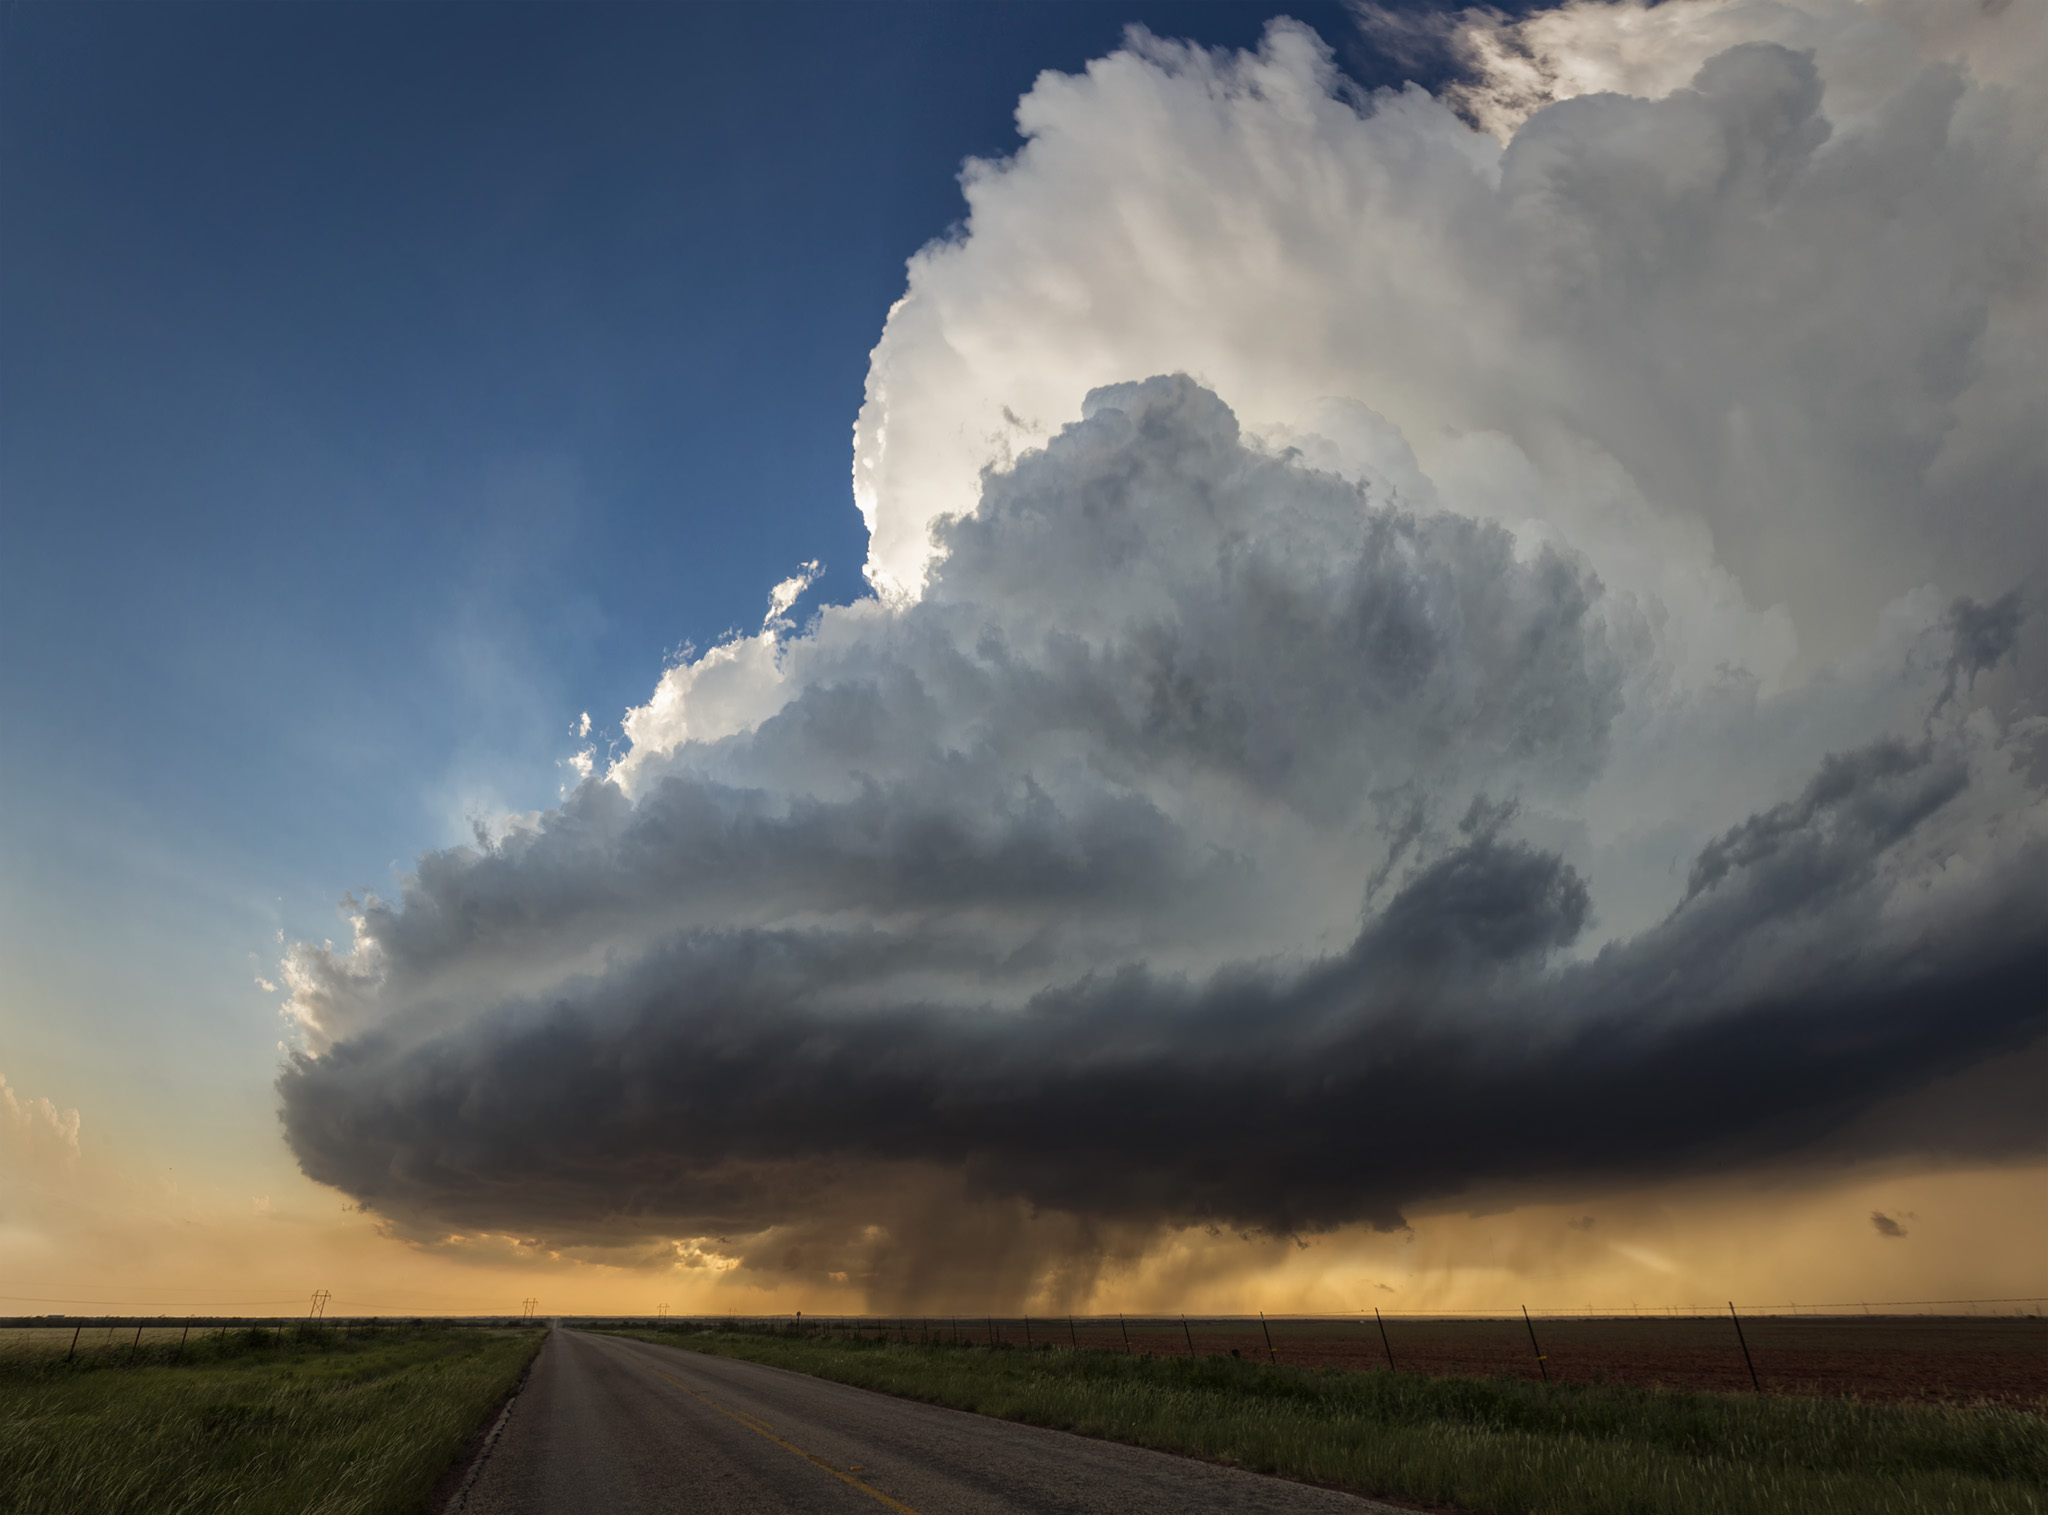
(692, 1095)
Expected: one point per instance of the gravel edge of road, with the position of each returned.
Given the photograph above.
(451, 1495)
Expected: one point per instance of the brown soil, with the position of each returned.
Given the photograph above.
(1948, 1359)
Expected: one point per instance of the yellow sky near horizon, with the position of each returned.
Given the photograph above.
(86, 1229)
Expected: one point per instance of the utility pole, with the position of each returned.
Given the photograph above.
(319, 1308)
(528, 1305)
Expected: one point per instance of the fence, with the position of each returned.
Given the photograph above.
(1993, 1349)
(134, 1341)
(2000, 1352)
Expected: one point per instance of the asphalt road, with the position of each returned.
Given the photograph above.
(614, 1427)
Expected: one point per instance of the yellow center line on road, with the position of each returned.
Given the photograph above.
(760, 1428)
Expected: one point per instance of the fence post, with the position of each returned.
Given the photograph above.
(1072, 1340)
(181, 1338)
(1027, 1333)
(1269, 1337)
(1188, 1334)
(1759, 1388)
(1383, 1338)
(135, 1343)
(74, 1341)
(1127, 1335)
(990, 1322)
(1532, 1344)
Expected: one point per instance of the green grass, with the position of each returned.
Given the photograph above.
(317, 1425)
(1487, 1446)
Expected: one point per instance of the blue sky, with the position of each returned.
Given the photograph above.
(385, 386)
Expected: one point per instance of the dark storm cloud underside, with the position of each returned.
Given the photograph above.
(697, 1093)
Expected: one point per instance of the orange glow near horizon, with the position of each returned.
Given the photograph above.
(85, 1233)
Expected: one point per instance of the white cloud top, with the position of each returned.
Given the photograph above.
(1787, 342)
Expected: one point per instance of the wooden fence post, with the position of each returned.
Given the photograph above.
(1127, 1335)
(1269, 1337)
(1188, 1334)
(1545, 1371)
(1759, 1388)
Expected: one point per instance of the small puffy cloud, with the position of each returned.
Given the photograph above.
(1885, 1226)
(783, 597)
(732, 687)
(39, 1138)
(1547, 707)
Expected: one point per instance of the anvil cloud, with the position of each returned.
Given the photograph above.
(1558, 695)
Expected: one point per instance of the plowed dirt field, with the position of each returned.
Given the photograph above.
(1952, 1359)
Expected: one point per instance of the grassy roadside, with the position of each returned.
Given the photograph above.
(1487, 1446)
(325, 1425)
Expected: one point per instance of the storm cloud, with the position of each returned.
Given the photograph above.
(1284, 825)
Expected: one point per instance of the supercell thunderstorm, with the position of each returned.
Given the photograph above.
(1558, 696)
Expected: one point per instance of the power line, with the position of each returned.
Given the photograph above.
(33, 1299)
(414, 1307)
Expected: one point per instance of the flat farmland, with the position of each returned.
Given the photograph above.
(1931, 1359)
